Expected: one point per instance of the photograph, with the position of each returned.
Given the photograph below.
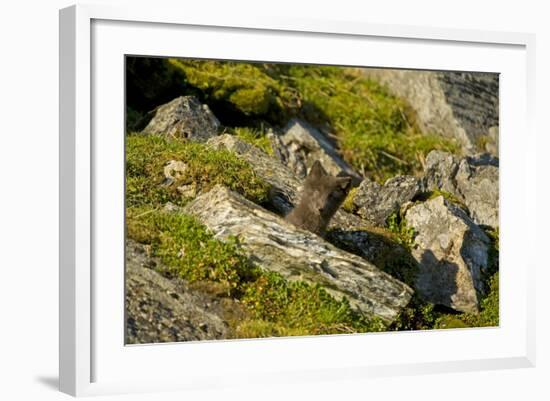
(268, 199)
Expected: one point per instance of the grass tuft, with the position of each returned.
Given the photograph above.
(403, 234)
(255, 137)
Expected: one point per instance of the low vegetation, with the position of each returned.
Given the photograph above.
(488, 316)
(146, 157)
(348, 205)
(447, 195)
(402, 233)
(254, 136)
(275, 306)
(376, 132)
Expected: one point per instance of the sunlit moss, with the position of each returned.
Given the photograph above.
(147, 155)
(274, 305)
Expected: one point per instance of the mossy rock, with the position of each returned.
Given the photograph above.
(146, 157)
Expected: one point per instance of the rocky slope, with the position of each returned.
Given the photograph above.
(408, 242)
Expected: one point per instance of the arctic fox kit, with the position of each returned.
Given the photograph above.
(321, 197)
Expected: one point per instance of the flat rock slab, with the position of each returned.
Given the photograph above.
(278, 246)
(184, 117)
(452, 252)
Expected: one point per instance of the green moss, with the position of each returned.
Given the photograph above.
(256, 137)
(403, 234)
(246, 87)
(450, 322)
(421, 315)
(188, 249)
(447, 195)
(348, 204)
(146, 157)
(377, 132)
(494, 235)
(299, 305)
(275, 306)
(483, 141)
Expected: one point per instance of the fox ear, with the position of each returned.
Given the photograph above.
(317, 170)
(343, 182)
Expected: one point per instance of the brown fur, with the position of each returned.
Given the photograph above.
(321, 197)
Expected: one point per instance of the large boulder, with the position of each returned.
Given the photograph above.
(452, 253)
(184, 117)
(375, 202)
(473, 180)
(459, 105)
(302, 144)
(159, 309)
(296, 254)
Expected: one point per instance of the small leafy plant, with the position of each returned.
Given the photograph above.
(403, 234)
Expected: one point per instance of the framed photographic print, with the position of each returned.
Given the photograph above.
(260, 200)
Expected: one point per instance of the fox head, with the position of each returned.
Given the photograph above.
(323, 192)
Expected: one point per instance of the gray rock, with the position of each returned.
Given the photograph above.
(159, 309)
(355, 235)
(345, 228)
(473, 179)
(188, 190)
(184, 117)
(294, 160)
(440, 171)
(173, 170)
(459, 105)
(303, 144)
(284, 185)
(375, 202)
(452, 252)
(296, 254)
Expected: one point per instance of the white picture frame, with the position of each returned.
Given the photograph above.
(91, 40)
